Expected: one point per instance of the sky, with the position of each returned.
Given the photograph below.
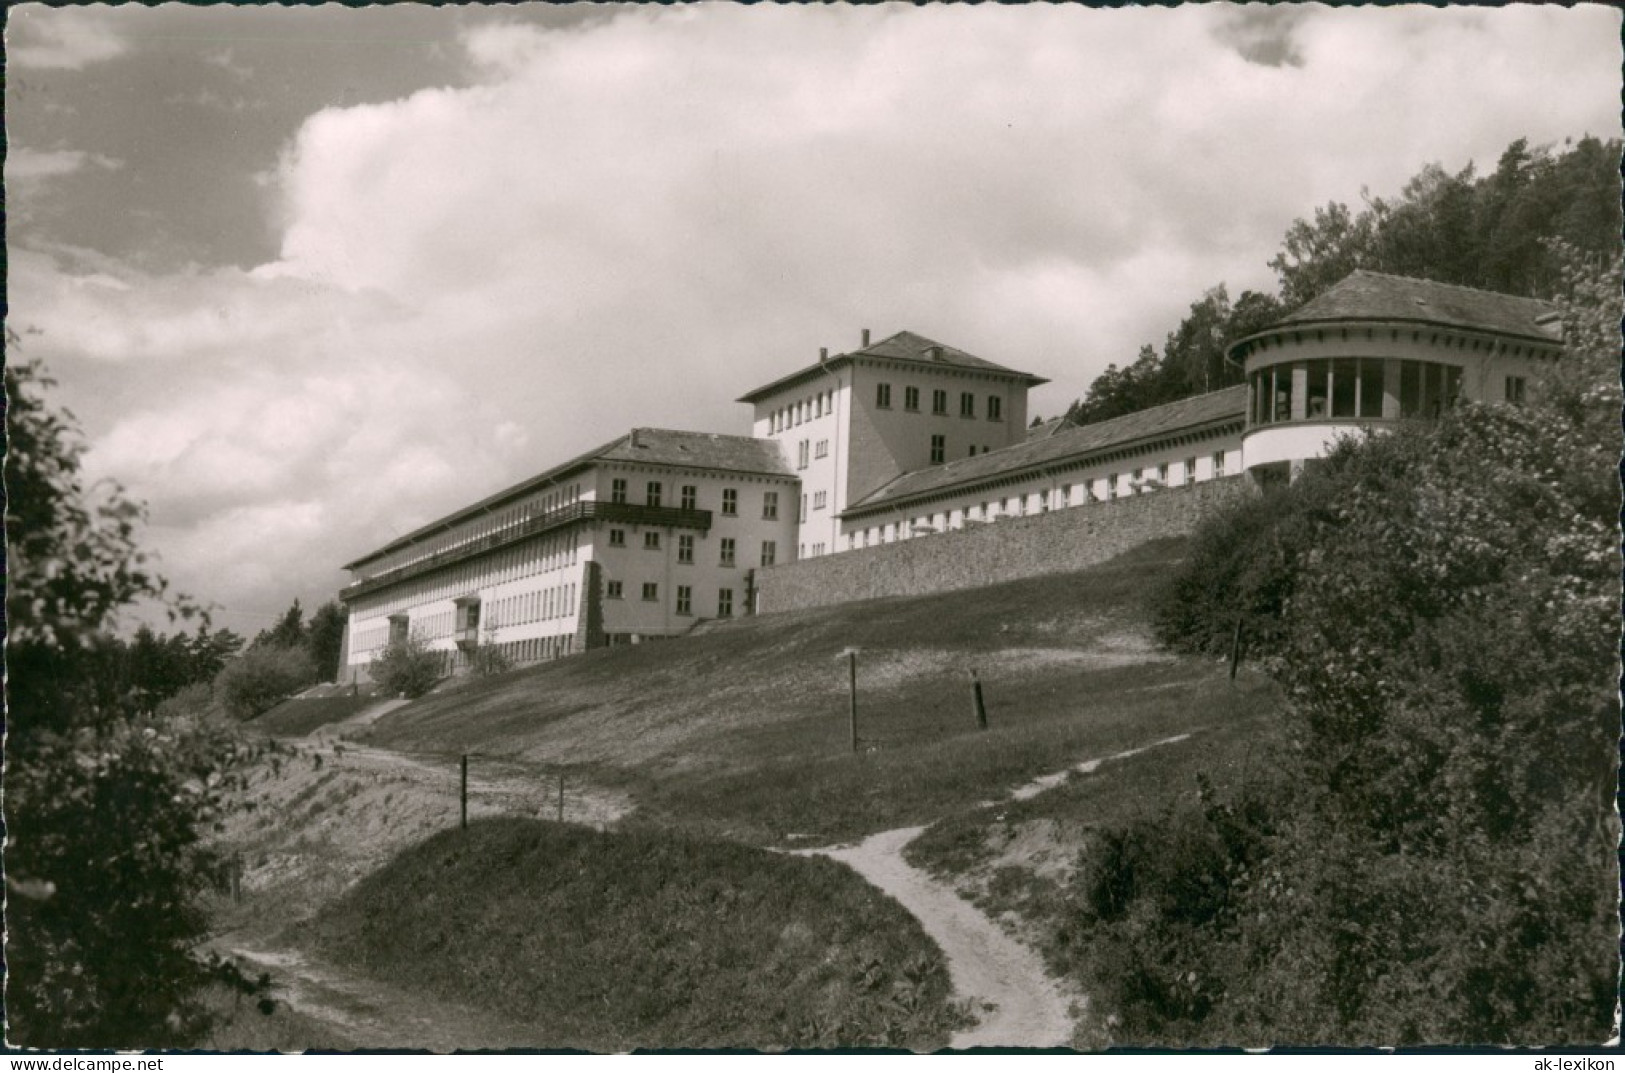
(312, 277)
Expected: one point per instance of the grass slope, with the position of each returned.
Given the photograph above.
(609, 941)
(742, 732)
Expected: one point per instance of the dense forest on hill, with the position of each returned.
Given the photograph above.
(1489, 231)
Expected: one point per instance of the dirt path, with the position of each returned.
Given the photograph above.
(370, 1015)
(1011, 991)
(1017, 1002)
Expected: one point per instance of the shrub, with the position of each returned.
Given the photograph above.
(106, 807)
(407, 667)
(263, 676)
(489, 660)
(1442, 604)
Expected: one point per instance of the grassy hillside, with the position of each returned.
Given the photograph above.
(609, 941)
(742, 732)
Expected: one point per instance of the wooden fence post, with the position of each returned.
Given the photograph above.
(976, 700)
(852, 691)
(464, 794)
(1235, 649)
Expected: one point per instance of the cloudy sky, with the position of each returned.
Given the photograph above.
(311, 277)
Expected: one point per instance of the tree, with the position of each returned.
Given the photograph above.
(326, 639)
(106, 804)
(407, 666)
(263, 677)
(289, 632)
(1435, 860)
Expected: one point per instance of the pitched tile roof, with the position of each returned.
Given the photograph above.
(904, 346)
(705, 450)
(1377, 296)
(1045, 429)
(1068, 444)
(648, 446)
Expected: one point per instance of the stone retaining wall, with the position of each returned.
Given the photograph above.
(1056, 542)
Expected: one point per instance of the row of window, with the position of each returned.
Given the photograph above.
(688, 497)
(1353, 388)
(483, 526)
(616, 590)
(727, 547)
(808, 409)
(939, 402)
(1140, 481)
(552, 552)
(537, 648)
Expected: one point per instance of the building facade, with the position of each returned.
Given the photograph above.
(654, 532)
(1376, 349)
(852, 423)
(638, 540)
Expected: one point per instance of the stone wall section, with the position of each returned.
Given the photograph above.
(1056, 542)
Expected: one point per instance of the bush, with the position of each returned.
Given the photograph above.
(106, 804)
(262, 677)
(1441, 604)
(407, 667)
(489, 660)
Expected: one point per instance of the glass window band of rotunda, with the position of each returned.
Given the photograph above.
(1321, 389)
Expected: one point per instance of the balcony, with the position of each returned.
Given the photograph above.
(564, 517)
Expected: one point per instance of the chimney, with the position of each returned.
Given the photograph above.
(823, 354)
(866, 337)
(635, 438)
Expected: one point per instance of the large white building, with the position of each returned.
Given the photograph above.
(654, 532)
(852, 423)
(638, 539)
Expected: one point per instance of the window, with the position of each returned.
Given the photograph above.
(685, 549)
(617, 491)
(1111, 486)
(995, 408)
(1162, 474)
(652, 493)
(801, 455)
(1218, 463)
(822, 450)
(725, 603)
(727, 551)
(803, 516)
(770, 552)
(1190, 471)
(820, 500)
(883, 396)
(685, 600)
(973, 450)
(911, 398)
(689, 497)
(939, 450)
(770, 505)
(651, 540)
(967, 404)
(612, 590)
(617, 538)
(1515, 387)
(939, 402)
(651, 590)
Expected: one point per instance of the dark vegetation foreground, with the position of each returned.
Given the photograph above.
(610, 941)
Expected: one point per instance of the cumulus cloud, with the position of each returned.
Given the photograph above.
(61, 38)
(637, 219)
